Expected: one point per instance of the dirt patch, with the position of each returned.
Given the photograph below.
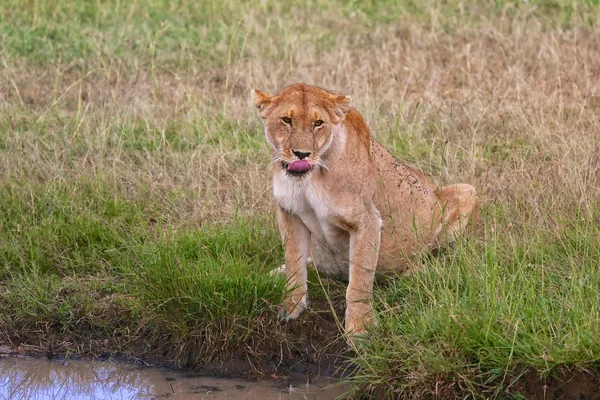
(567, 384)
(311, 345)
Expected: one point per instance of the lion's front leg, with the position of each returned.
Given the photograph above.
(364, 253)
(296, 240)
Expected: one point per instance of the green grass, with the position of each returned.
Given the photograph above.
(487, 312)
(176, 34)
(82, 260)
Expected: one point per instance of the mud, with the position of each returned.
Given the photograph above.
(312, 345)
(30, 378)
(567, 384)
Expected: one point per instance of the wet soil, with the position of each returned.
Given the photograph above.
(312, 345)
(566, 385)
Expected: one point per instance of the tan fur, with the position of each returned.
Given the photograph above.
(358, 210)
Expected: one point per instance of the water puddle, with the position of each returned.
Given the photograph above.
(29, 378)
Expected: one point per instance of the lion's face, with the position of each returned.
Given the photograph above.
(300, 125)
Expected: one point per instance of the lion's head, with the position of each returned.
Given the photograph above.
(300, 124)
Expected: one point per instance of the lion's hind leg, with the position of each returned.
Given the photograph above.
(458, 205)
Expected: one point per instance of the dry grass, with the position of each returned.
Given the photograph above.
(505, 97)
(509, 104)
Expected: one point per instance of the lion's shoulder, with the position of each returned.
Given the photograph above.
(356, 125)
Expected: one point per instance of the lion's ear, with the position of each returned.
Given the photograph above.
(342, 104)
(262, 101)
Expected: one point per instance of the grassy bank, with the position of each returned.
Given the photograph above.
(135, 207)
(489, 312)
(81, 263)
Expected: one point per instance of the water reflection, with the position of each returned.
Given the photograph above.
(26, 378)
(42, 379)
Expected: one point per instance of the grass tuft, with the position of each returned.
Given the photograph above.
(488, 311)
(79, 254)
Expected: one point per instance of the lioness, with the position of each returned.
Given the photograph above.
(343, 198)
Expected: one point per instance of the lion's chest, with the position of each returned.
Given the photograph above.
(301, 197)
(317, 208)
(310, 202)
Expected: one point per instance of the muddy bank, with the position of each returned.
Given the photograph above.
(313, 345)
(311, 350)
(567, 384)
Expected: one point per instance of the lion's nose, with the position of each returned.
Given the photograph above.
(301, 154)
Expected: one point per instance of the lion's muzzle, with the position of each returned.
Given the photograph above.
(297, 167)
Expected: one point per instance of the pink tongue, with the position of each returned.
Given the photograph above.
(299, 166)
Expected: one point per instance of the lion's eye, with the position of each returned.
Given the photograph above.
(317, 123)
(286, 120)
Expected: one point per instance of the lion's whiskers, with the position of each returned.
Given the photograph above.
(324, 164)
(275, 160)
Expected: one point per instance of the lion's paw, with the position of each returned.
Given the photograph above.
(278, 271)
(292, 307)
